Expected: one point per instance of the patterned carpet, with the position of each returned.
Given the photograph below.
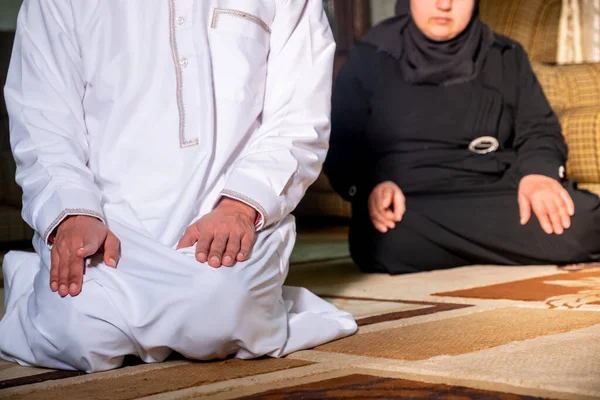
(476, 332)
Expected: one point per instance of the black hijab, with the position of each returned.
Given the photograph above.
(426, 61)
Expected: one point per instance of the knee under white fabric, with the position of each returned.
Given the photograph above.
(160, 300)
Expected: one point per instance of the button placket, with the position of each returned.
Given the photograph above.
(183, 28)
(183, 53)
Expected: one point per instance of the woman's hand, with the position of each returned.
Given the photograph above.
(386, 206)
(550, 202)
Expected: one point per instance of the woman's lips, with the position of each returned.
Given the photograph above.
(442, 20)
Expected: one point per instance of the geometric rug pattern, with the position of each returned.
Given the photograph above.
(467, 333)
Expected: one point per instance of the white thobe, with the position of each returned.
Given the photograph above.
(143, 114)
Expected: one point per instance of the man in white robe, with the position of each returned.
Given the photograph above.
(161, 146)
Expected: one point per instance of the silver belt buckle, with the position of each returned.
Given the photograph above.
(484, 145)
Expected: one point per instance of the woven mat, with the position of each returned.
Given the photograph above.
(475, 332)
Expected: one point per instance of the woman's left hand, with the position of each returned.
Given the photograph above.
(550, 202)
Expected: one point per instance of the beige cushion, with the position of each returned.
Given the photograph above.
(533, 23)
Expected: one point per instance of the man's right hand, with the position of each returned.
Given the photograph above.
(387, 205)
(77, 238)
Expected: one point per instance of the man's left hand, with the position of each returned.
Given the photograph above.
(550, 202)
(224, 236)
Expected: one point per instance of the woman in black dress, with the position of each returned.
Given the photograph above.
(445, 144)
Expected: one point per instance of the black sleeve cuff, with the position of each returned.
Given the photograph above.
(554, 170)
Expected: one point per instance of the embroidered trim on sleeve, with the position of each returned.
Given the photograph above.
(247, 200)
(68, 212)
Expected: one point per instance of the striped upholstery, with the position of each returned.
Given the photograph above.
(570, 86)
(533, 23)
(592, 187)
(580, 126)
(574, 92)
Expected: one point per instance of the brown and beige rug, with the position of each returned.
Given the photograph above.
(476, 332)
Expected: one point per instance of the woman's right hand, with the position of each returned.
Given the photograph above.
(387, 205)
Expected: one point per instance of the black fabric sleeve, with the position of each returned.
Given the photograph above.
(540, 145)
(346, 160)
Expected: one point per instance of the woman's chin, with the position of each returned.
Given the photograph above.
(440, 34)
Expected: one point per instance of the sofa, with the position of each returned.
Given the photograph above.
(573, 91)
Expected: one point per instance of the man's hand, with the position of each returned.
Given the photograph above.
(77, 238)
(386, 206)
(550, 202)
(224, 236)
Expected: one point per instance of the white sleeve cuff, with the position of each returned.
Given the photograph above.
(256, 194)
(65, 202)
(260, 220)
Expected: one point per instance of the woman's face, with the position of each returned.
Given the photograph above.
(441, 20)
